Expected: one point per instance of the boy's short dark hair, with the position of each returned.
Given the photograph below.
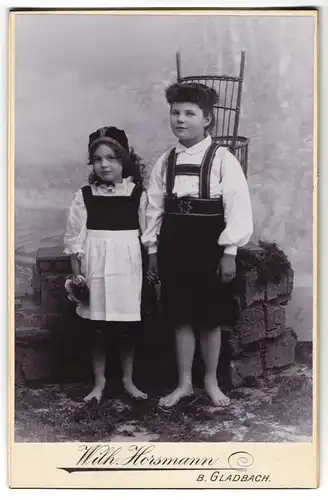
(196, 93)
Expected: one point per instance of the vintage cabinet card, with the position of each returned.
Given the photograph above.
(128, 262)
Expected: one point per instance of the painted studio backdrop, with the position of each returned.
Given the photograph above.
(76, 73)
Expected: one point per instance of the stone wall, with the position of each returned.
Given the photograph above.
(261, 340)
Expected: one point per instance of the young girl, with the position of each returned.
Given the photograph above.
(102, 237)
(199, 211)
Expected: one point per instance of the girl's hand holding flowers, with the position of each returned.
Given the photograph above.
(76, 286)
(78, 279)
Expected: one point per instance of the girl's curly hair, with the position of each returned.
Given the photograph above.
(132, 164)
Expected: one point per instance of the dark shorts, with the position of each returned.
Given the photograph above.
(192, 293)
(201, 302)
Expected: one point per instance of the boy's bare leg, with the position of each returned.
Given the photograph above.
(99, 366)
(210, 343)
(185, 346)
(127, 358)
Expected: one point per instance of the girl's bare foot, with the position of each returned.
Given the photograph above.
(214, 392)
(96, 392)
(133, 390)
(174, 397)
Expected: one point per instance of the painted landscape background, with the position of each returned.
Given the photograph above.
(75, 73)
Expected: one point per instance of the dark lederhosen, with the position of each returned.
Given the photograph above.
(189, 254)
(114, 213)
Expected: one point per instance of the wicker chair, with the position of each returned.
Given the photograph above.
(227, 109)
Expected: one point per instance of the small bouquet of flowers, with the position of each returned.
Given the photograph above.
(77, 288)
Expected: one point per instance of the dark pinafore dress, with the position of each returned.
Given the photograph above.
(112, 261)
(189, 254)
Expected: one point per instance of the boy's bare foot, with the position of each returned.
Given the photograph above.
(174, 397)
(133, 390)
(214, 392)
(96, 392)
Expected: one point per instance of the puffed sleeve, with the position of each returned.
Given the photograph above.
(155, 206)
(76, 227)
(237, 205)
(142, 211)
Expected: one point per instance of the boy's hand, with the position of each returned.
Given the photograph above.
(227, 268)
(152, 273)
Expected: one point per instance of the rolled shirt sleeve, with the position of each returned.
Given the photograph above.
(237, 205)
(155, 206)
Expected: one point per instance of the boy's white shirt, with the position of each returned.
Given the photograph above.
(77, 217)
(227, 180)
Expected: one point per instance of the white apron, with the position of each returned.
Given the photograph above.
(112, 266)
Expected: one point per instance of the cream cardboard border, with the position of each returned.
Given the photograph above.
(266, 465)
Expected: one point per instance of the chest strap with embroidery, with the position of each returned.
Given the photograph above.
(204, 205)
(203, 171)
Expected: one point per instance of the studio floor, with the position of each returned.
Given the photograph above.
(277, 409)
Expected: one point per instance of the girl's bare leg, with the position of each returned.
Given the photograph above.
(210, 343)
(99, 366)
(127, 359)
(185, 346)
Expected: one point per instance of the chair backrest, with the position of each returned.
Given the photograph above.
(240, 149)
(227, 109)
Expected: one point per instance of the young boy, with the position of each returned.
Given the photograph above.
(198, 214)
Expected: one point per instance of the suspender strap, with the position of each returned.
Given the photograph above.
(170, 172)
(205, 171)
(87, 195)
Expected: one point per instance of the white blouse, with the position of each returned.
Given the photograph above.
(227, 180)
(77, 216)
